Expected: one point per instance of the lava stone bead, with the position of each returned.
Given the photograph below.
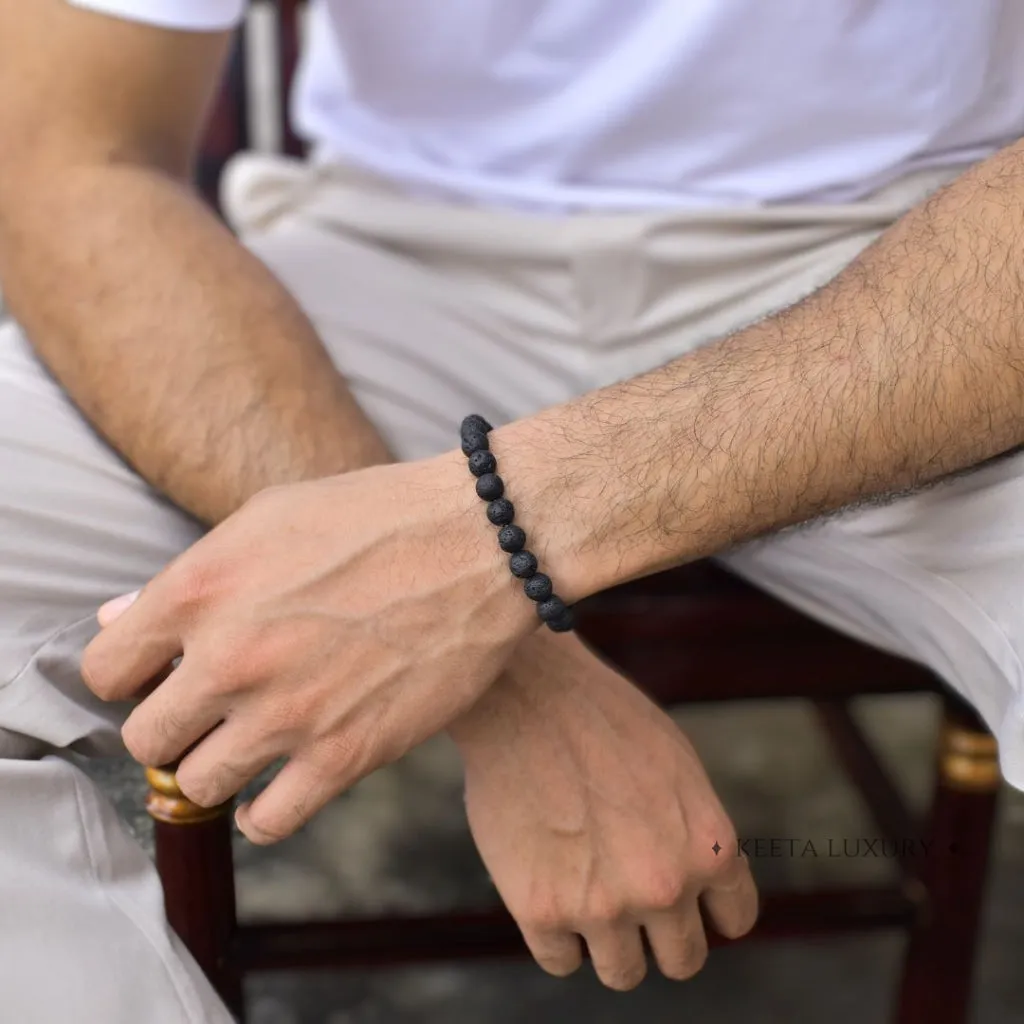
(538, 587)
(490, 486)
(474, 441)
(501, 512)
(564, 623)
(552, 608)
(511, 538)
(475, 423)
(482, 462)
(523, 564)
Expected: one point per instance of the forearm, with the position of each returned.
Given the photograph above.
(906, 367)
(176, 343)
(213, 393)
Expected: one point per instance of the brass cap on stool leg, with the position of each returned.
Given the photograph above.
(969, 759)
(166, 802)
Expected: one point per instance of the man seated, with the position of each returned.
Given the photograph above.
(574, 219)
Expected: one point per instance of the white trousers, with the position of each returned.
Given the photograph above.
(431, 310)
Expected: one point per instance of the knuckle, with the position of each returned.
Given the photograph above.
(273, 822)
(190, 584)
(266, 831)
(304, 709)
(622, 977)
(718, 851)
(544, 915)
(686, 966)
(385, 745)
(226, 670)
(153, 736)
(139, 744)
(234, 663)
(265, 648)
(344, 757)
(95, 676)
(262, 652)
(206, 785)
(603, 909)
(199, 790)
(170, 723)
(663, 889)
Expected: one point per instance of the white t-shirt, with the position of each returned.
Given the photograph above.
(648, 103)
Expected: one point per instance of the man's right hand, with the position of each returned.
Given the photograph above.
(595, 818)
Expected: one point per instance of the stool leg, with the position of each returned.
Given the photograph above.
(936, 985)
(193, 859)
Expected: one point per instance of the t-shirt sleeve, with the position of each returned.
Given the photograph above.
(197, 15)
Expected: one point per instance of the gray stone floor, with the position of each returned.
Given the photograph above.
(398, 841)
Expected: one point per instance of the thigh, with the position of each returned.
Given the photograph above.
(424, 330)
(937, 577)
(83, 935)
(77, 526)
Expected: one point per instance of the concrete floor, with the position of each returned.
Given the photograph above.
(398, 841)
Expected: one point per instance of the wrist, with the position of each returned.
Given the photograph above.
(507, 614)
(545, 669)
(562, 491)
(551, 607)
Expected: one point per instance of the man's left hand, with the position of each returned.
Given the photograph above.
(596, 820)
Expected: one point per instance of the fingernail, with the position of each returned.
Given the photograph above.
(112, 609)
(246, 828)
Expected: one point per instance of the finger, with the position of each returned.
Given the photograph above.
(155, 682)
(113, 609)
(731, 902)
(677, 940)
(296, 793)
(173, 717)
(140, 641)
(225, 761)
(617, 953)
(557, 952)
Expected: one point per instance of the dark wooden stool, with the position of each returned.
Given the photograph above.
(695, 634)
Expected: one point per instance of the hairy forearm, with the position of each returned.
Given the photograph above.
(182, 348)
(906, 367)
(176, 343)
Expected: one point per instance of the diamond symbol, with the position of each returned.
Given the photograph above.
(716, 848)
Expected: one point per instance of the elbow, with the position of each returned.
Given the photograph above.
(37, 163)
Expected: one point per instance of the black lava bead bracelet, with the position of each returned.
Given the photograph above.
(553, 611)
